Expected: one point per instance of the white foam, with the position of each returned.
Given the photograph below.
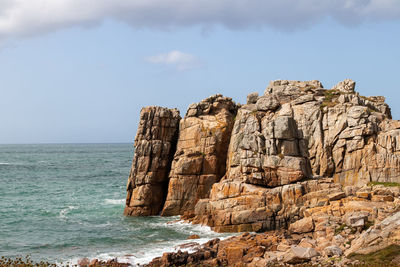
(150, 251)
(63, 213)
(5, 163)
(114, 201)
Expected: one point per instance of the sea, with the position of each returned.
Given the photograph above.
(63, 202)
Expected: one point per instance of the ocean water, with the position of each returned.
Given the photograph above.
(62, 202)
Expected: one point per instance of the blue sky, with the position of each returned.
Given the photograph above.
(69, 76)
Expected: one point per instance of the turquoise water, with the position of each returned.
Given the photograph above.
(65, 202)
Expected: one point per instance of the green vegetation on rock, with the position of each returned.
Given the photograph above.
(383, 257)
(385, 184)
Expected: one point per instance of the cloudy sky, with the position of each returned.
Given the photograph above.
(80, 70)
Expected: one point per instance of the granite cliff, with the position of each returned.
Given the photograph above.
(299, 158)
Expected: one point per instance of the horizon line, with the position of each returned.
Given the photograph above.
(67, 143)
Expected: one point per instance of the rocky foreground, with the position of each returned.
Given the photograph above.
(346, 222)
(314, 171)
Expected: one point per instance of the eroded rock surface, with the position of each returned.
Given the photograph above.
(155, 144)
(298, 130)
(298, 161)
(337, 223)
(256, 167)
(294, 132)
(200, 158)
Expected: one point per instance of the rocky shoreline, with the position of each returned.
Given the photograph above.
(313, 171)
(353, 222)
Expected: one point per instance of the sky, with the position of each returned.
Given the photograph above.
(79, 71)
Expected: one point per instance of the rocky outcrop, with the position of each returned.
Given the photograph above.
(337, 222)
(298, 130)
(299, 160)
(377, 237)
(155, 144)
(200, 158)
(294, 132)
(258, 166)
(235, 206)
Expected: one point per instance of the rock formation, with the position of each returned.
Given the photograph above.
(200, 158)
(154, 148)
(298, 131)
(338, 222)
(295, 131)
(297, 160)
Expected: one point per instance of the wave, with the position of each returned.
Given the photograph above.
(5, 163)
(138, 257)
(146, 253)
(114, 201)
(63, 213)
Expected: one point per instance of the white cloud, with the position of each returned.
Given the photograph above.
(29, 17)
(181, 61)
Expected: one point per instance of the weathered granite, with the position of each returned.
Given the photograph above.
(155, 144)
(298, 130)
(200, 158)
(255, 167)
(297, 161)
(329, 230)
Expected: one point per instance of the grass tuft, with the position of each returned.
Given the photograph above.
(381, 257)
(385, 184)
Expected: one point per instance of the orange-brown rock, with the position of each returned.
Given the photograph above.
(259, 167)
(304, 225)
(236, 251)
(235, 206)
(331, 227)
(200, 158)
(298, 130)
(155, 144)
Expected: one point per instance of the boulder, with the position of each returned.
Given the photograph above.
(346, 86)
(298, 255)
(377, 237)
(266, 103)
(356, 219)
(333, 251)
(84, 262)
(304, 225)
(252, 98)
